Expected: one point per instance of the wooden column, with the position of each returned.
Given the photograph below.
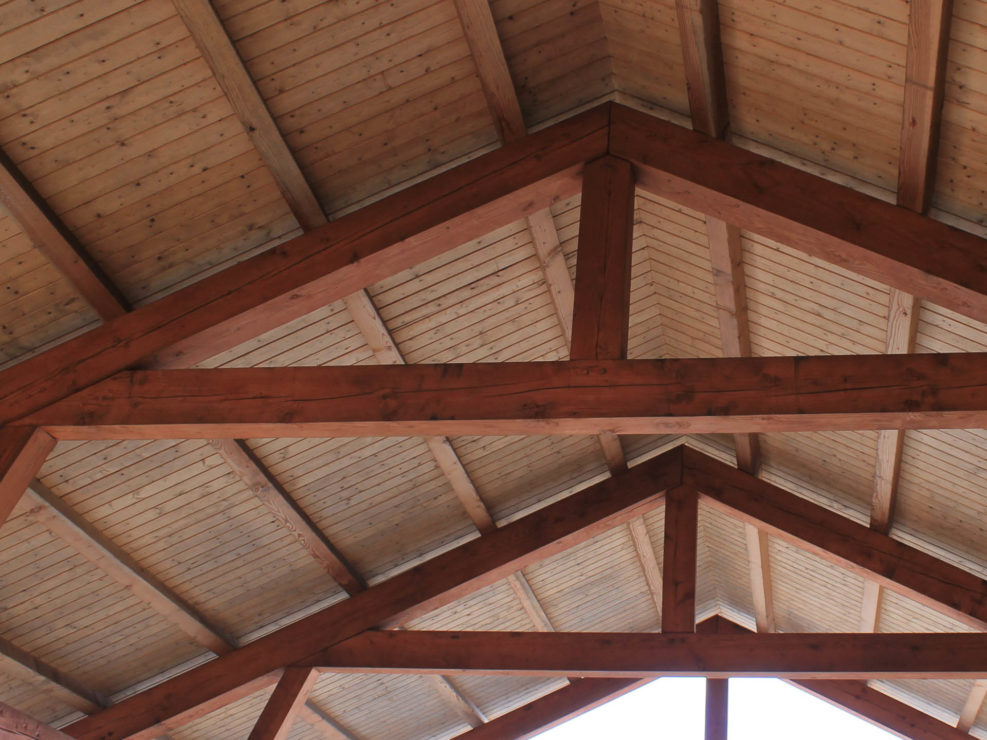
(717, 693)
(678, 608)
(285, 704)
(603, 263)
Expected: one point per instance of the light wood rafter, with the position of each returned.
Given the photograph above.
(529, 602)
(15, 724)
(699, 31)
(678, 603)
(972, 706)
(424, 588)
(51, 512)
(580, 397)
(58, 244)
(645, 552)
(49, 680)
(759, 565)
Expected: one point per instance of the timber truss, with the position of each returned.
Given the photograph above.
(87, 388)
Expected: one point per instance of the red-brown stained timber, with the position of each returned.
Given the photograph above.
(717, 697)
(414, 592)
(23, 450)
(15, 725)
(829, 221)
(699, 31)
(853, 655)
(839, 540)
(600, 317)
(581, 397)
(678, 603)
(320, 266)
(285, 704)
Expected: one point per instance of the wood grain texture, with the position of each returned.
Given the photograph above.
(826, 220)
(600, 317)
(650, 655)
(414, 592)
(23, 451)
(21, 664)
(839, 540)
(294, 278)
(645, 552)
(285, 704)
(699, 31)
(249, 469)
(55, 515)
(759, 565)
(239, 88)
(491, 66)
(551, 710)
(678, 602)
(925, 82)
(15, 724)
(49, 235)
(583, 397)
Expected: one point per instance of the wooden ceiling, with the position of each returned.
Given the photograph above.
(633, 378)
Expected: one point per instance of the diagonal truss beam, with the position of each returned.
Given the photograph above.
(417, 591)
(296, 277)
(23, 450)
(15, 724)
(578, 397)
(896, 566)
(826, 220)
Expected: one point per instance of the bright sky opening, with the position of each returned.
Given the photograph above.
(760, 709)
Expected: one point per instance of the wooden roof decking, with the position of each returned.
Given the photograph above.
(131, 140)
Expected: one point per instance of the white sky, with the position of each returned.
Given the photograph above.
(760, 709)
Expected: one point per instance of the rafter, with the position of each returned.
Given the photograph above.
(699, 32)
(50, 236)
(759, 565)
(529, 602)
(51, 512)
(678, 603)
(649, 655)
(49, 680)
(972, 706)
(646, 557)
(839, 540)
(15, 724)
(805, 212)
(417, 591)
(579, 397)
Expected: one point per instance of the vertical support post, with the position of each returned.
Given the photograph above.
(600, 321)
(717, 701)
(678, 604)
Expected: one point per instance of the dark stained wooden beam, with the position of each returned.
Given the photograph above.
(50, 236)
(925, 83)
(16, 725)
(581, 397)
(47, 679)
(323, 265)
(699, 31)
(821, 218)
(579, 697)
(600, 320)
(23, 450)
(649, 655)
(836, 539)
(678, 603)
(414, 592)
(717, 697)
(285, 704)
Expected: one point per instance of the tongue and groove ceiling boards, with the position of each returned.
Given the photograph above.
(211, 213)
